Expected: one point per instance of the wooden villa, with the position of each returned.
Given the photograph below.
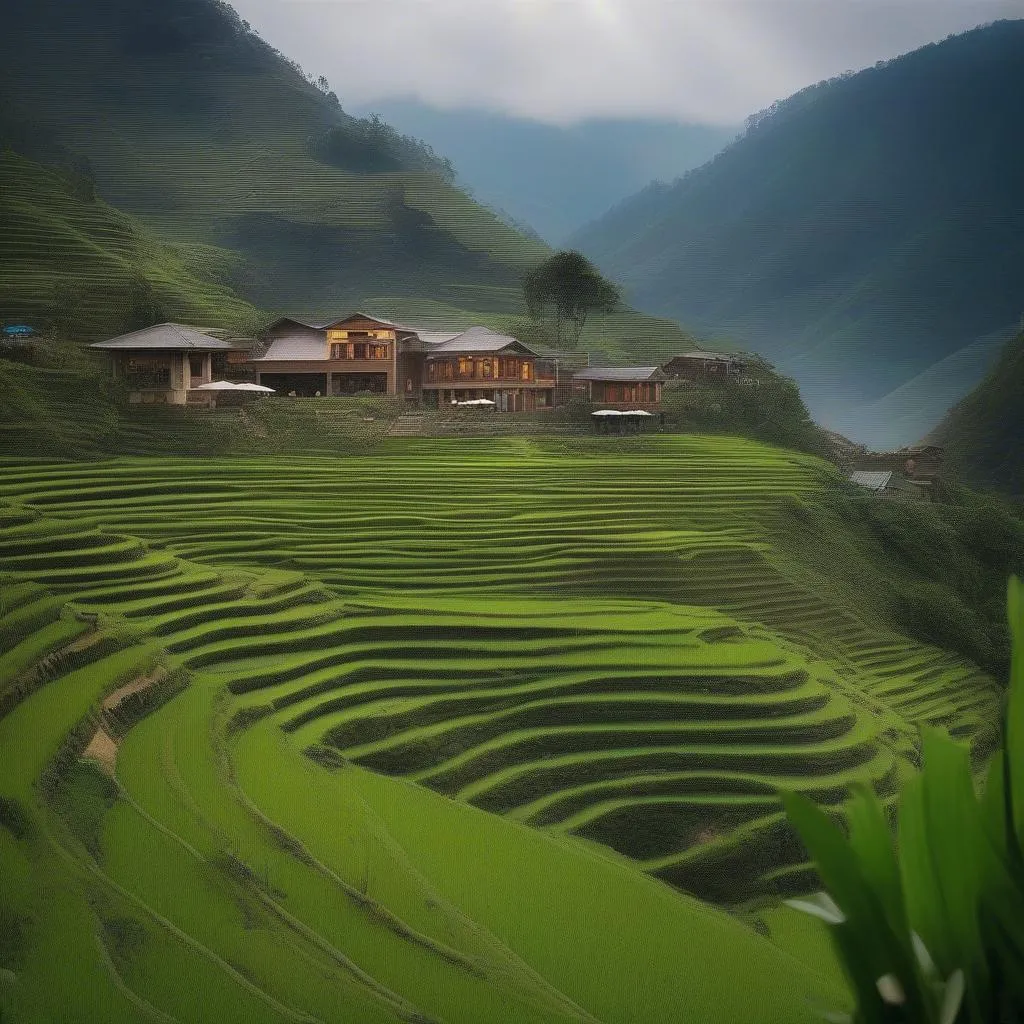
(889, 484)
(165, 364)
(336, 357)
(620, 387)
(367, 353)
(699, 365)
(481, 363)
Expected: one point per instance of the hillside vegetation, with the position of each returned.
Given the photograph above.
(75, 264)
(197, 126)
(984, 433)
(857, 233)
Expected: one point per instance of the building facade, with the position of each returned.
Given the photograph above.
(366, 353)
(338, 357)
(699, 365)
(165, 364)
(620, 387)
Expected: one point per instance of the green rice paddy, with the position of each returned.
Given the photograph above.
(461, 731)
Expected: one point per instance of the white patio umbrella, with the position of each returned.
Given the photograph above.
(262, 388)
(607, 412)
(638, 412)
(216, 385)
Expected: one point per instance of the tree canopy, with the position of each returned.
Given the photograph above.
(568, 287)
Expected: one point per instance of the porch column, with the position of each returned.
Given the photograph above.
(330, 383)
(207, 367)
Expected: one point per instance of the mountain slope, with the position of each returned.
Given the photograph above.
(219, 145)
(554, 179)
(856, 233)
(197, 126)
(984, 433)
(72, 261)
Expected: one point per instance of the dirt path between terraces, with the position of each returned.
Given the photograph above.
(102, 748)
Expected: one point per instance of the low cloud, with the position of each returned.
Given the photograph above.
(562, 61)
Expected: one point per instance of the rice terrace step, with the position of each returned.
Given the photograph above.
(447, 734)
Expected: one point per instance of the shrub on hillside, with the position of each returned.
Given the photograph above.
(931, 930)
(763, 405)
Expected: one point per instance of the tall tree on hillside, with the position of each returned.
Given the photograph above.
(568, 288)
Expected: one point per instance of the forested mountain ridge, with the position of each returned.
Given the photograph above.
(76, 265)
(191, 122)
(857, 233)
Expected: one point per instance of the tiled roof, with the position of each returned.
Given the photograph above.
(165, 337)
(296, 347)
(436, 337)
(875, 481)
(479, 339)
(699, 354)
(624, 373)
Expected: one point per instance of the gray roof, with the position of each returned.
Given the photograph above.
(874, 480)
(164, 337)
(296, 347)
(436, 337)
(479, 339)
(700, 354)
(625, 373)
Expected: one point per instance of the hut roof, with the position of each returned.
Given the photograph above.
(700, 354)
(166, 337)
(619, 373)
(480, 339)
(872, 479)
(294, 347)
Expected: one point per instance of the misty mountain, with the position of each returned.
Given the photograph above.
(857, 233)
(554, 179)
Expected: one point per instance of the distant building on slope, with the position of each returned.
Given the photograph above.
(699, 365)
(888, 484)
(919, 462)
(621, 387)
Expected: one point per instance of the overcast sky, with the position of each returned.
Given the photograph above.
(561, 61)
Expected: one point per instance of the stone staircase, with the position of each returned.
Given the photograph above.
(409, 424)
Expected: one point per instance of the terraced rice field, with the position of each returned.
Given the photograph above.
(422, 735)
